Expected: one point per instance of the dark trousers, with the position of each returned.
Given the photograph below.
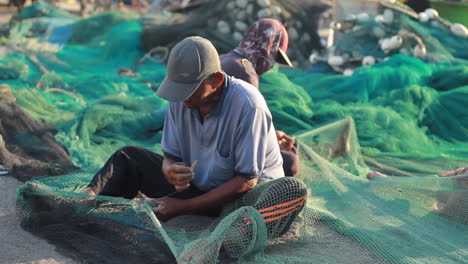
(132, 169)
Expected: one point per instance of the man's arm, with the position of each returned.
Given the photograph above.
(168, 208)
(222, 194)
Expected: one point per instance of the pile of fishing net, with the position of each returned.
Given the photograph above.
(225, 23)
(347, 219)
(28, 147)
(403, 116)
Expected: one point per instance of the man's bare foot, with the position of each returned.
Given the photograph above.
(372, 174)
(89, 191)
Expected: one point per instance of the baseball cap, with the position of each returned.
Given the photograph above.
(190, 62)
(283, 47)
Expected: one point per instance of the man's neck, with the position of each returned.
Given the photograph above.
(212, 102)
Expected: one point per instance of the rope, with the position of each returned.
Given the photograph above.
(400, 7)
(81, 101)
(150, 55)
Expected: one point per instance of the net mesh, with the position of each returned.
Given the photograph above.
(404, 116)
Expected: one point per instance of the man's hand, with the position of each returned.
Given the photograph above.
(285, 142)
(179, 175)
(168, 208)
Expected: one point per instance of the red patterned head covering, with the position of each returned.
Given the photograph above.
(262, 44)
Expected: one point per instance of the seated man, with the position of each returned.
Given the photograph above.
(223, 127)
(265, 43)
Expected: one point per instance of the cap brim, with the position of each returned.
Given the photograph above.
(283, 58)
(176, 92)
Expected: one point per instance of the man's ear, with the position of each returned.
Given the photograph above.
(218, 79)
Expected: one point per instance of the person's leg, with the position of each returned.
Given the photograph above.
(279, 202)
(129, 170)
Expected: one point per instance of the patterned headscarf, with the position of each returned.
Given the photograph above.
(261, 43)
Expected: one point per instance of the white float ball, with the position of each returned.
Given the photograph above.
(396, 41)
(431, 13)
(241, 15)
(323, 42)
(264, 3)
(314, 58)
(241, 26)
(459, 30)
(423, 17)
(335, 25)
(378, 32)
(249, 9)
(298, 24)
(223, 27)
(306, 37)
(237, 36)
(379, 19)
(242, 3)
(348, 72)
(388, 16)
(385, 45)
(362, 17)
(293, 34)
(276, 10)
(263, 13)
(231, 5)
(335, 60)
(368, 60)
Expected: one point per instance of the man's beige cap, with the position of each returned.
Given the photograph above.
(190, 62)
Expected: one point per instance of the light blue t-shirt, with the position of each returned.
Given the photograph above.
(237, 138)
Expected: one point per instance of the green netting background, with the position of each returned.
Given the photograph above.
(403, 116)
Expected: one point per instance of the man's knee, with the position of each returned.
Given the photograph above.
(127, 151)
(288, 197)
(291, 164)
(283, 188)
(293, 186)
(290, 193)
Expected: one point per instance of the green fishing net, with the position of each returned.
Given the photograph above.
(404, 116)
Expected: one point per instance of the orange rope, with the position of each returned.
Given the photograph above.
(283, 204)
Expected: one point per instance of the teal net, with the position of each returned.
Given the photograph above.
(405, 117)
